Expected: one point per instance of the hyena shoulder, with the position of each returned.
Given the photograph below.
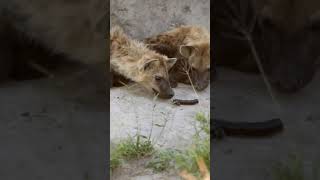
(126, 53)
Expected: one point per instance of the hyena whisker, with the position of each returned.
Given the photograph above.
(123, 83)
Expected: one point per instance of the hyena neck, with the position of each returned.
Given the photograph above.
(129, 61)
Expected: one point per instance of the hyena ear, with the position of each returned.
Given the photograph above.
(186, 51)
(170, 62)
(148, 64)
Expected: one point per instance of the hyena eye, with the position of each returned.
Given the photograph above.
(157, 78)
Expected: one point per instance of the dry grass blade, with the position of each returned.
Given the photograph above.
(185, 175)
(40, 69)
(203, 169)
(239, 25)
(205, 175)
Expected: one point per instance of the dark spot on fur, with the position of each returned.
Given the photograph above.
(186, 9)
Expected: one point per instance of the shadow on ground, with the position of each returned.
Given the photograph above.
(242, 97)
(55, 128)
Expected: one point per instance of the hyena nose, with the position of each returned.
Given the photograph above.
(171, 94)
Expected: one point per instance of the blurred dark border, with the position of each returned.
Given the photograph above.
(107, 166)
(213, 75)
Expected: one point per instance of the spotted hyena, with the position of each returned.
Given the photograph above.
(191, 45)
(134, 61)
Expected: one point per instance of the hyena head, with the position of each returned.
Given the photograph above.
(291, 43)
(153, 74)
(198, 56)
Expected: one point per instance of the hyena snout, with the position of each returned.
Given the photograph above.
(166, 95)
(292, 78)
(163, 89)
(200, 80)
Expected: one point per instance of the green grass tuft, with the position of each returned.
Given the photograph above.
(133, 148)
(162, 160)
(128, 149)
(293, 169)
(187, 160)
(115, 160)
(204, 122)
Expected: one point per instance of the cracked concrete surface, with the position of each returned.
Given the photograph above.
(170, 125)
(133, 111)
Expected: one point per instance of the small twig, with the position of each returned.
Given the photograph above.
(192, 85)
(155, 140)
(263, 73)
(123, 83)
(40, 69)
(253, 23)
(240, 27)
(152, 115)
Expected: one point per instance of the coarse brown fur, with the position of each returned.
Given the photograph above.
(134, 61)
(191, 45)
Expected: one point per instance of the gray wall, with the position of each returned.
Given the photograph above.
(142, 18)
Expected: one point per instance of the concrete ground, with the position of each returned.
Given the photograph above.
(55, 128)
(242, 97)
(134, 111)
